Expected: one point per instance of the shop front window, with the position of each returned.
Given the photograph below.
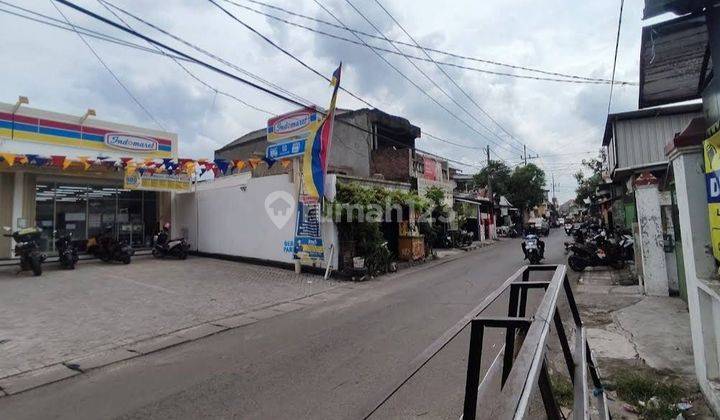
(102, 206)
(45, 214)
(87, 211)
(130, 218)
(71, 210)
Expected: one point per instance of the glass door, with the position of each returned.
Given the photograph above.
(71, 211)
(45, 214)
(102, 206)
(130, 218)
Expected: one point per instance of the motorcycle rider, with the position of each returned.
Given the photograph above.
(540, 243)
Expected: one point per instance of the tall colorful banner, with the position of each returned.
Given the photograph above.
(711, 147)
(308, 237)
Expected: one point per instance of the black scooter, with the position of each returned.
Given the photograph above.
(598, 252)
(107, 248)
(164, 246)
(27, 248)
(533, 248)
(67, 253)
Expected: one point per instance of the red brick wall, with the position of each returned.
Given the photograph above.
(393, 164)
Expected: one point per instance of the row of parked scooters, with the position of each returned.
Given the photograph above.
(593, 247)
(103, 246)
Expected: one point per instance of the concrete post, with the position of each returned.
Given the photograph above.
(699, 264)
(647, 200)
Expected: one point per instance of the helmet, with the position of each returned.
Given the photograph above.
(166, 226)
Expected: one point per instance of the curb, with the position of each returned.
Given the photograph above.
(28, 380)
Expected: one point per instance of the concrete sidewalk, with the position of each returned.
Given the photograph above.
(632, 333)
(102, 313)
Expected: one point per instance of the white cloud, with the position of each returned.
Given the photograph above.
(57, 71)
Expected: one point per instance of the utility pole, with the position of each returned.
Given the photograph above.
(553, 185)
(525, 156)
(490, 194)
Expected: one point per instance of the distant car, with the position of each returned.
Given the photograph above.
(541, 226)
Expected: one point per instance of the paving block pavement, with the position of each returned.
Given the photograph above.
(81, 314)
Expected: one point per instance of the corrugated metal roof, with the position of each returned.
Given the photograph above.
(645, 113)
(673, 57)
(640, 142)
(679, 7)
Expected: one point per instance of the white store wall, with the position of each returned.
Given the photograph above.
(228, 216)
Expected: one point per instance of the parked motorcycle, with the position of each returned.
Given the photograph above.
(595, 253)
(164, 246)
(466, 238)
(107, 248)
(67, 253)
(27, 248)
(533, 248)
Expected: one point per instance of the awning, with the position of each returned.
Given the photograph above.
(674, 61)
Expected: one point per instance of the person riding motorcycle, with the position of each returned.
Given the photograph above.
(532, 236)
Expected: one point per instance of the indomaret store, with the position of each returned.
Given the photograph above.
(82, 196)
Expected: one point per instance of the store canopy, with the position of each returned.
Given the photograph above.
(675, 61)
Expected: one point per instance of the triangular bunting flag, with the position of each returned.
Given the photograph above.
(9, 158)
(57, 160)
(254, 162)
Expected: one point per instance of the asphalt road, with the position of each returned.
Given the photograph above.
(330, 360)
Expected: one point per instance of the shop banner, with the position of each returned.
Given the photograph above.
(286, 150)
(157, 182)
(712, 182)
(293, 125)
(308, 240)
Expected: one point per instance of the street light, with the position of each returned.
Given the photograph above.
(21, 100)
(89, 113)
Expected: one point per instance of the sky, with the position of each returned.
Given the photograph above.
(561, 122)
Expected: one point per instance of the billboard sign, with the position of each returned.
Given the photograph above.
(292, 125)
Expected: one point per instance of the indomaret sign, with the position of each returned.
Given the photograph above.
(293, 125)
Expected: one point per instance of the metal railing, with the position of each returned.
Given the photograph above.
(520, 365)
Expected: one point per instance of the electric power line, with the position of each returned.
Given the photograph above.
(453, 100)
(444, 72)
(617, 47)
(185, 69)
(318, 73)
(577, 80)
(450, 54)
(402, 74)
(117, 79)
(209, 54)
(221, 60)
(230, 75)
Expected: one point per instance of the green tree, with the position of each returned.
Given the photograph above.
(588, 184)
(526, 187)
(500, 177)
